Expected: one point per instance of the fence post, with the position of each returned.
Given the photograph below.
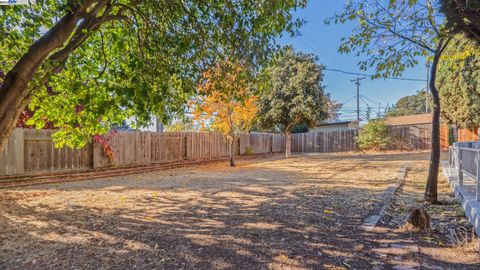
(450, 157)
(271, 143)
(12, 156)
(18, 145)
(188, 145)
(460, 173)
(477, 178)
(185, 146)
(91, 152)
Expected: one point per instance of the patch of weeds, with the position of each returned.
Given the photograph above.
(418, 185)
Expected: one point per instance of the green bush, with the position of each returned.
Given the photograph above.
(373, 136)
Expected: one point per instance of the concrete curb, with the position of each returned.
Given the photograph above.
(372, 221)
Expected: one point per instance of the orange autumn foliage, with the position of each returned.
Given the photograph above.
(224, 100)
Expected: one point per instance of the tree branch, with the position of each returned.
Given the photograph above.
(398, 34)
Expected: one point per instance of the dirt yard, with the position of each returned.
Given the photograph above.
(301, 213)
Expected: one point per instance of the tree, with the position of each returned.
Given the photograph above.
(373, 136)
(334, 108)
(108, 60)
(413, 104)
(459, 84)
(333, 115)
(226, 102)
(299, 128)
(392, 35)
(463, 16)
(294, 94)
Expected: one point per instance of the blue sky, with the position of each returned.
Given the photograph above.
(323, 41)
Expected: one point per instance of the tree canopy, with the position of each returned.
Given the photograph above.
(413, 104)
(459, 84)
(226, 102)
(294, 94)
(391, 36)
(107, 60)
(333, 115)
(463, 16)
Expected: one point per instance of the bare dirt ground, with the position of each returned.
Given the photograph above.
(451, 244)
(301, 213)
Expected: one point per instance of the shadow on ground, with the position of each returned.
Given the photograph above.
(303, 213)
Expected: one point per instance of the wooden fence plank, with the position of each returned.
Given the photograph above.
(36, 151)
(417, 136)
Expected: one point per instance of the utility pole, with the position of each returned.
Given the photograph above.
(427, 89)
(357, 82)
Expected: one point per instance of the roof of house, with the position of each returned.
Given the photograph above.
(409, 120)
(337, 123)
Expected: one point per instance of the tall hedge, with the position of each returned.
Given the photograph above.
(459, 84)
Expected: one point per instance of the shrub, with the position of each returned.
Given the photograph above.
(373, 136)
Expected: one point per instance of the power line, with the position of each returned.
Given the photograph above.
(370, 75)
(370, 99)
(324, 52)
(364, 101)
(338, 88)
(347, 100)
(380, 107)
(332, 59)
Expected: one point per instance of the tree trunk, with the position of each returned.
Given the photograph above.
(432, 179)
(14, 92)
(418, 218)
(231, 140)
(288, 144)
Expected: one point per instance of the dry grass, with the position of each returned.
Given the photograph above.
(301, 213)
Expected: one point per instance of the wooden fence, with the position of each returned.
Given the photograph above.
(420, 137)
(449, 134)
(257, 143)
(324, 142)
(31, 151)
(467, 135)
(409, 137)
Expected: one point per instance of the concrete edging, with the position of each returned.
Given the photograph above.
(372, 221)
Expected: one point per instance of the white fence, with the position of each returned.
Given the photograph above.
(464, 157)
